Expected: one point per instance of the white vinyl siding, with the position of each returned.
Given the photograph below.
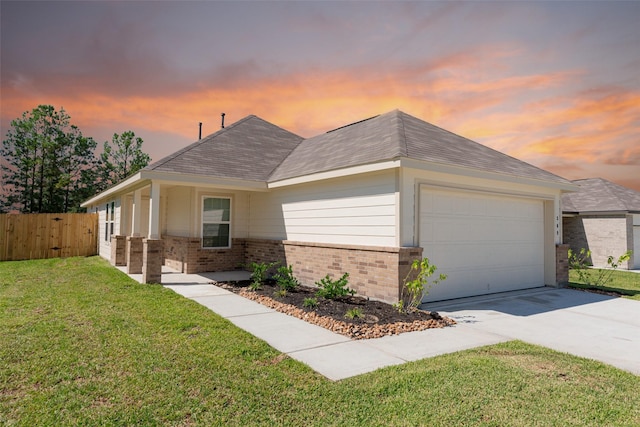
(108, 227)
(355, 210)
(179, 210)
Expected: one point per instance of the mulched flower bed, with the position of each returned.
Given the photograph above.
(377, 319)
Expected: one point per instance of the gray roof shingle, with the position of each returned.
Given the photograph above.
(249, 149)
(600, 195)
(396, 135)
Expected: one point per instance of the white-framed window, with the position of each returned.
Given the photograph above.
(216, 222)
(109, 221)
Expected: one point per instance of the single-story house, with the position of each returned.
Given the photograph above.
(365, 199)
(604, 218)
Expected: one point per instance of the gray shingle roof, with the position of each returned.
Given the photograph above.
(250, 149)
(396, 135)
(600, 195)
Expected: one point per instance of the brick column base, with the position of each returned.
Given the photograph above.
(134, 255)
(118, 250)
(562, 265)
(152, 261)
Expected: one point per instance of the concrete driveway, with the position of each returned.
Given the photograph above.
(584, 324)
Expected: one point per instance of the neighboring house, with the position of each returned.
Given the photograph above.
(366, 198)
(605, 218)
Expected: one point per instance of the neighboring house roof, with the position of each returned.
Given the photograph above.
(250, 149)
(398, 135)
(600, 195)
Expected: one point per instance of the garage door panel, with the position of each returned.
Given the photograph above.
(485, 243)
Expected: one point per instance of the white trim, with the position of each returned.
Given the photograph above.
(143, 178)
(337, 173)
(476, 173)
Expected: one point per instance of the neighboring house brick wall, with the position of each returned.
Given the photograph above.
(603, 235)
(573, 233)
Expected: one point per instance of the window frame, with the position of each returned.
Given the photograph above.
(202, 221)
(109, 220)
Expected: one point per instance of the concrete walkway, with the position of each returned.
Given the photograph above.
(602, 330)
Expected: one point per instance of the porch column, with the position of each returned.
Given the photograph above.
(154, 212)
(134, 255)
(152, 261)
(136, 213)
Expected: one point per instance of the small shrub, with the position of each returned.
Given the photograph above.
(354, 313)
(414, 290)
(594, 276)
(280, 293)
(310, 303)
(333, 289)
(285, 279)
(259, 273)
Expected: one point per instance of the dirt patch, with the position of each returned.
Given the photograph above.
(353, 316)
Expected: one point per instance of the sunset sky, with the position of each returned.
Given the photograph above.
(556, 84)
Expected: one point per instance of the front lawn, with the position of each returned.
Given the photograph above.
(82, 344)
(622, 282)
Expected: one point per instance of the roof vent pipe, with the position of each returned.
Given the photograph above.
(222, 120)
(200, 132)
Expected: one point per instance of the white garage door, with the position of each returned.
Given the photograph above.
(485, 243)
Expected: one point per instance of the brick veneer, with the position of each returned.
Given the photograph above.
(119, 250)
(186, 254)
(376, 272)
(562, 265)
(134, 255)
(152, 261)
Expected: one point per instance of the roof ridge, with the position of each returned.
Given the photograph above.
(196, 144)
(400, 114)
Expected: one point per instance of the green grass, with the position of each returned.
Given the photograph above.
(622, 282)
(82, 344)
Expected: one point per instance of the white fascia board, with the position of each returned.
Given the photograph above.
(144, 177)
(336, 173)
(476, 173)
(168, 178)
(130, 184)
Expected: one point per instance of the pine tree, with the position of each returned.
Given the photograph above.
(48, 163)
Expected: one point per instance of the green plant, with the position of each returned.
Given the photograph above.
(259, 273)
(354, 313)
(310, 303)
(285, 279)
(579, 262)
(413, 290)
(280, 293)
(333, 289)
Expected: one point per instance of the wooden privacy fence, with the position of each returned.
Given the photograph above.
(36, 236)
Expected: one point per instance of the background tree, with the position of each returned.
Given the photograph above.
(47, 163)
(122, 158)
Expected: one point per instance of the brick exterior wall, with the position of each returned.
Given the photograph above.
(152, 261)
(376, 272)
(118, 250)
(134, 255)
(573, 234)
(186, 254)
(603, 235)
(562, 265)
